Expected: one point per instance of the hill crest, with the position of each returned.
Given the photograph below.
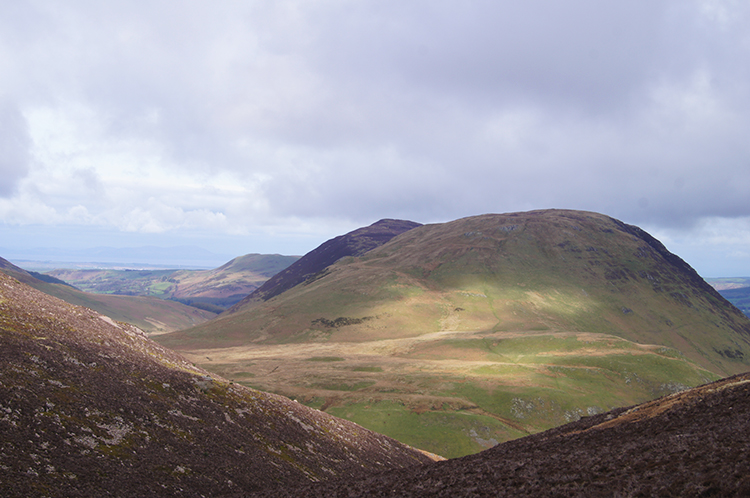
(310, 266)
(554, 269)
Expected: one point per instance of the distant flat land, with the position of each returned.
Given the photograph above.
(213, 290)
(736, 290)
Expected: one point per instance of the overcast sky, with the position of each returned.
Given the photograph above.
(256, 126)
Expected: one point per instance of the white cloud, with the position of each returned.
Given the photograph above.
(14, 160)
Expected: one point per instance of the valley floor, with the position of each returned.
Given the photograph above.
(458, 392)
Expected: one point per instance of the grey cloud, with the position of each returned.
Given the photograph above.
(14, 148)
(425, 110)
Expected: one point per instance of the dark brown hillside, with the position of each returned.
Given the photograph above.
(91, 407)
(354, 243)
(688, 274)
(694, 443)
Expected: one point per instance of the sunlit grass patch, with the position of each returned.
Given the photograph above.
(445, 432)
(367, 369)
(343, 386)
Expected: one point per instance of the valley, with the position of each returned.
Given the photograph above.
(458, 392)
(213, 290)
(150, 314)
(692, 443)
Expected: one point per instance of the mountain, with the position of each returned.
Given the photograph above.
(694, 443)
(453, 337)
(148, 313)
(543, 270)
(214, 290)
(92, 407)
(310, 266)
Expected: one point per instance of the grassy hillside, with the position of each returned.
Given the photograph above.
(455, 336)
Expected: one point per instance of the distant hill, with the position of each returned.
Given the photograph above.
(91, 407)
(455, 336)
(150, 314)
(728, 283)
(695, 443)
(736, 290)
(214, 290)
(312, 264)
(738, 297)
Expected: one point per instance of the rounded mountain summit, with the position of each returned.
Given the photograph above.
(517, 273)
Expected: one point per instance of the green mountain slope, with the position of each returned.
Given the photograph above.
(91, 407)
(483, 329)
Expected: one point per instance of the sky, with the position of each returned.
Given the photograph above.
(254, 126)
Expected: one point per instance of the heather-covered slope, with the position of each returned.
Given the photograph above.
(91, 407)
(694, 443)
